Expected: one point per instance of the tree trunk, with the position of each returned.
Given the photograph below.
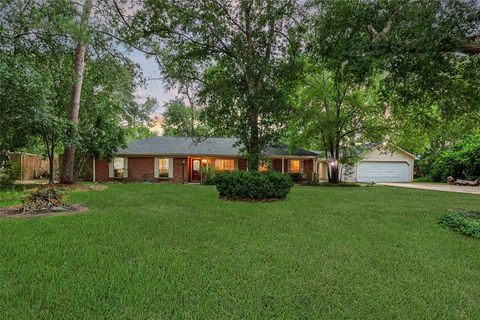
(253, 149)
(51, 159)
(52, 168)
(68, 160)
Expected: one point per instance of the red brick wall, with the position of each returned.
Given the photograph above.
(308, 166)
(242, 164)
(101, 170)
(140, 169)
(178, 170)
(277, 165)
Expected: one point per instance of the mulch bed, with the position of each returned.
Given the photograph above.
(17, 212)
(80, 187)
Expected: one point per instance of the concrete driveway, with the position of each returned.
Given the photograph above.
(434, 187)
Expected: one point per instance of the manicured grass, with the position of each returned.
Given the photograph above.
(174, 251)
(10, 196)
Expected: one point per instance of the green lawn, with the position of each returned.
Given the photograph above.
(10, 196)
(174, 251)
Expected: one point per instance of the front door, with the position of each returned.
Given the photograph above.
(196, 170)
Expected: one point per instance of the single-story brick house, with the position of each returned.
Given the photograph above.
(180, 159)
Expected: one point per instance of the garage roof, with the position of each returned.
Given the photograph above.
(361, 149)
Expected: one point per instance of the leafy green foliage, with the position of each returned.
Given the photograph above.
(335, 114)
(208, 176)
(462, 161)
(9, 172)
(242, 57)
(465, 222)
(24, 89)
(253, 185)
(428, 81)
(179, 119)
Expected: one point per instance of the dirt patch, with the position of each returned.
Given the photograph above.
(17, 212)
(80, 187)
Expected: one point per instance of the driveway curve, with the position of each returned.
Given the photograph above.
(434, 187)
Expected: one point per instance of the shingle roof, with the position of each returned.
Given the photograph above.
(189, 146)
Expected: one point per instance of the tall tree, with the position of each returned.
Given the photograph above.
(24, 88)
(425, 51)
(242, 54)
(335, 114)
(68, 160)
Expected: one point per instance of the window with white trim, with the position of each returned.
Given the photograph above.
(163, 167)
(224, 164)
(119, 168)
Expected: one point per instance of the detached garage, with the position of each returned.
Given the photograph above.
(381, 163)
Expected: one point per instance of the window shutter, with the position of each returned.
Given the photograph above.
(170, 168)
(236, 164)
(155, 167)
(288, 166)
(110, 169)
(126, 167)
(301, 166)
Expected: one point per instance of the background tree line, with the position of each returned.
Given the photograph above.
(322, 74)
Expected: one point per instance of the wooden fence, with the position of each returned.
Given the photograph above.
(33, 166)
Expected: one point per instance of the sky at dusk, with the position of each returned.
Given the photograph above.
(155, 88)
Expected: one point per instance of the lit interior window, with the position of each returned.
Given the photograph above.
(224, 164)
(163, 168)
(295, 166)
(119, 167)
(263, 167)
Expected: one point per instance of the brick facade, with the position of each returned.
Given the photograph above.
(142, 169)
(308, 165)
(242, 165)
(179, 173)
(277, 165)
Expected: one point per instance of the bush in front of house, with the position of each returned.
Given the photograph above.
(465, 222)
(252, 185)
(208, 176)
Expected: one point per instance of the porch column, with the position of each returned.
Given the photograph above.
(283, 165)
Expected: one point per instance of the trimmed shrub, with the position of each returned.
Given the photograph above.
(465, 222)
(253, 185)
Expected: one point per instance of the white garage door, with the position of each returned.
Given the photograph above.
(383, 171)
